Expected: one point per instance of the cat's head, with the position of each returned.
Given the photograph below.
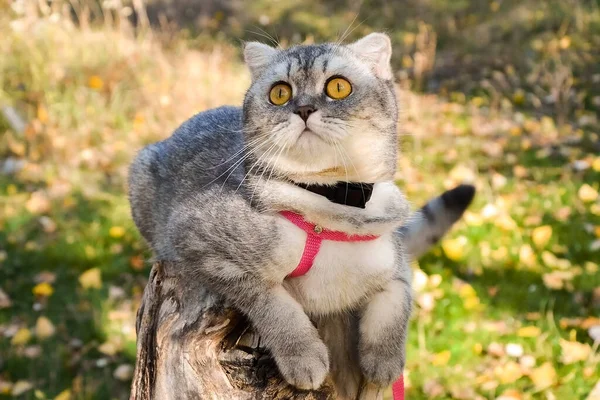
(322, 113)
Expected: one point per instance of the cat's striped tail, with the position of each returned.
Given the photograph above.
(434, 219)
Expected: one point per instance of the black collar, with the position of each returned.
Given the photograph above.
(346, 193)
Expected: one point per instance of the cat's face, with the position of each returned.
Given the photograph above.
(322, 113)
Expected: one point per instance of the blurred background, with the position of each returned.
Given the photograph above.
(504, 94)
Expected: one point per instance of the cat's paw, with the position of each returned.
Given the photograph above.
(307, 369)
(381, 364)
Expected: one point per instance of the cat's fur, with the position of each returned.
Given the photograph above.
(207, 199)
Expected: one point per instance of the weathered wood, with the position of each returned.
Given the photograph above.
(190, 346)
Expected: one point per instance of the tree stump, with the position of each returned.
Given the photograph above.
(190, 345)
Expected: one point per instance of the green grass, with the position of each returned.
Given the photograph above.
(95, 96)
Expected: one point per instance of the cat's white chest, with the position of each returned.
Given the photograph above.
(342, 274)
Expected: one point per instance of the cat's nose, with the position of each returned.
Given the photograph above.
(305, 111)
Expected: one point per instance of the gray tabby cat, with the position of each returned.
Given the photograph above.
(209, 199)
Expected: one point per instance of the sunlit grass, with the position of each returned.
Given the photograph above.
(93, 97)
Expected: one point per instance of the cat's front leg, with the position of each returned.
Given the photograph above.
(383, 330)
(245, 262)
(294, 342)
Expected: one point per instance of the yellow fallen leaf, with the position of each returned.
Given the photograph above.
(466, 291)
(573, 352)
(505, 222)
(595, 209)
(95, 82)
(590, 267)
(597, 231)
(596, 164)
(472, 219)
(441, 358)
(544, 376)
(116, 232)
(91, 279)
(64, 395)
(43, 289)
(42, 114)
(420, 280)
(595, 393)
(554, 262)
(471, 303)
(109, 348)
(529, 331)
(21, 337)
(541, 235)
(21, 387)
(508, 372)
(454, 248)
(527, 256)
(44, 328)
(587, 193)
(510, 394)
(38, 203)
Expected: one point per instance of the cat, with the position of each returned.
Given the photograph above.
(314, 145)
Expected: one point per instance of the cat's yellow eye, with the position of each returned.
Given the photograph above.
(338, 88)
(280, 94)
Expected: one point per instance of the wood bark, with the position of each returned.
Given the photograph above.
(191, 346)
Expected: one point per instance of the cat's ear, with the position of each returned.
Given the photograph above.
(257, 55)
(376, 49)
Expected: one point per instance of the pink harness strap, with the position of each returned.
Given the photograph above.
(315, 234)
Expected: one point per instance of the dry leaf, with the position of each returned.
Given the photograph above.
(505, 222)
(441, 358)
(529, 331)
(109, 348)
(573, 352)
(510, 394)
(64, 395)
(95, 82)
(4, 300)
(541, 235)
(137, 263)
(495, 349)
(508, 372)
(116, 232)
(44, 328)
(91, 278)
(433, 389)
(454, 248)
(38, 203)
(124, 372)
(587, 193)
(420, 280)
(554, 262)
(21, 387)
(426, 301)
(21, 337)
(43, 289)
(595, 393)
(544, 376)
(527, 256)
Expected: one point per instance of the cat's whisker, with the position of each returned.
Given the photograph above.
(257, 162)
(232, 168)
(265, 35)
(247, 146)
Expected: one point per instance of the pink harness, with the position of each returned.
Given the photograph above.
(315, 234)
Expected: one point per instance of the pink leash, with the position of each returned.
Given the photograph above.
(315, 234)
